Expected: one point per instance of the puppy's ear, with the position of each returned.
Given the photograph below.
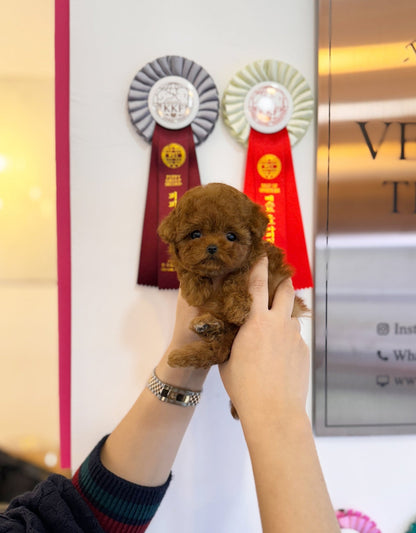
(167, 228)
(258, 221)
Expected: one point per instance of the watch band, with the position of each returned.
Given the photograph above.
(167, 393)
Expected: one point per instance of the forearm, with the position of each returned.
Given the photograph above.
(290, 486)
(144, 445)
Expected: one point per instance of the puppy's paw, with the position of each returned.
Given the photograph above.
(198, 354)
(207, 326)
(177, 358)
(201, 328)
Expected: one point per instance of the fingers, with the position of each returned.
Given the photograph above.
(296, 324)
(258, 285)
(284, 298)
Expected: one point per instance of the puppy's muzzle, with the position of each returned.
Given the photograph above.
(212, 249)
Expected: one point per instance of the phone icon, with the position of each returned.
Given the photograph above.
(382, 357)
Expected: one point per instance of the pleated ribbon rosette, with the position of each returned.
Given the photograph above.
(350, 521)
(268, 105)
(174, 104)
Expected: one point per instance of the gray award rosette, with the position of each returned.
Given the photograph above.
(174, 92)
(174, 104)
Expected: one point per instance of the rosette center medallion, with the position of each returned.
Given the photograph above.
(173, 102)
(268, 107)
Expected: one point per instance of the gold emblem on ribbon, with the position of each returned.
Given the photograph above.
(167, 266)
(173, 180)
(173, 155)
(269, 188)
(269, 166)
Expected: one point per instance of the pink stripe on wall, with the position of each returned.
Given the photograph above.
(63, 223)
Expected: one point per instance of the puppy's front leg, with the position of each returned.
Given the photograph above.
(197, 354)
(195, 290)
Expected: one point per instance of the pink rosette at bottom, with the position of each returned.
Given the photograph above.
(350, 519)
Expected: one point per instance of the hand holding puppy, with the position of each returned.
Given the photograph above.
(267, 378)
(267, 375)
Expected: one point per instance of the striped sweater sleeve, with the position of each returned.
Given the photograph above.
(119, 505)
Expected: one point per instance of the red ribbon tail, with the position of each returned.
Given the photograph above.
(296, 249)
(270, 181)
(147, 274)
(173, 170)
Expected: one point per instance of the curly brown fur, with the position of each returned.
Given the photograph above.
(215, 235)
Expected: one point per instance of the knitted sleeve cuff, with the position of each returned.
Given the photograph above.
(119, 505)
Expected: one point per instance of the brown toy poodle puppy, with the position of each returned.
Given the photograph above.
(215, 235)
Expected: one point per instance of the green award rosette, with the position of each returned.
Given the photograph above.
(269, 106)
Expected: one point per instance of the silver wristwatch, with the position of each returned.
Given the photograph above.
(167, 393)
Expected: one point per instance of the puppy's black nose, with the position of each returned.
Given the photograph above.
(211, 249)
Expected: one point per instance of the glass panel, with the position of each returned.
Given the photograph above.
(365, 360)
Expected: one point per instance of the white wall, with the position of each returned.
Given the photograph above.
(119, 329)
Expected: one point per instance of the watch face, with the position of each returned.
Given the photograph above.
(173, 102)
(165, 392)
(268, 107)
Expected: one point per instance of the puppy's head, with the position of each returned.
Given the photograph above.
(213, 230)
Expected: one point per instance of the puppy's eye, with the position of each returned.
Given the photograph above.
(231, 236)
(196, 234)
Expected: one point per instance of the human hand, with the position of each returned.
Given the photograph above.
(267, 374)
(184, 377)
